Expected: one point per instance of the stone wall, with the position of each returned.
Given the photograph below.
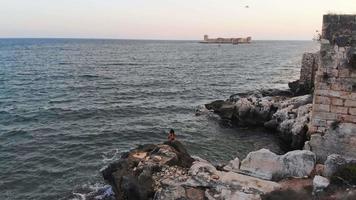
(335, 82)
(309, 67)
(305, 84)
(333, 120)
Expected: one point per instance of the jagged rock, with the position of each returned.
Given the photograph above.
(201, 175)
(233, 165)
(132, 177)
(309, 66)
(289, 116)
(184, 159)
(267, 165)
(333, 163)
(215, 105)
(337, 140)
(307, 146)
(320, 183)
(172, 192)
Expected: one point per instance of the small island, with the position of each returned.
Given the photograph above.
(208, 40)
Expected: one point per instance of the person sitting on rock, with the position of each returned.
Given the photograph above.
(171, 135)
(184, 159)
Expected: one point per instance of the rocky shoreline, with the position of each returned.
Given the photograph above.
(279, 111)
(167, 172)
(318, 130)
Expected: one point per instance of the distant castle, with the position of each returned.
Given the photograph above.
(226, 40)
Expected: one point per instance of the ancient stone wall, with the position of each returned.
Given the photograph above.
(309, 67)
(335, 82)
(305, 84)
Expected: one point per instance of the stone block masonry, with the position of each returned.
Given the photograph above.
(305, 84)
(335, 79)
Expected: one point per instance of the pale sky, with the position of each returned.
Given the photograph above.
(167, 19)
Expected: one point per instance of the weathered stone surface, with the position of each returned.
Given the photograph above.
(195, 193)
(334, 82)
(320, 183)
(267, 165)
(173, 192)
(340, 140)
(233, 165)
(333, 163)
(134, 176)
(305, 84)
(217, 185)
(201, 174)
(247, 184)
(289, 116)
(262, 164)
(298, 163)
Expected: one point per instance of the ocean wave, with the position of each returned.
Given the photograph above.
(92, 192)
(66, 63)
(110, 156)
(122, 64)
(89, 76)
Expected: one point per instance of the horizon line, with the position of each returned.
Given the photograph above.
(143, 39)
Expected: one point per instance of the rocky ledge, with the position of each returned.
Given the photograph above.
(167, 172)
(276, 110)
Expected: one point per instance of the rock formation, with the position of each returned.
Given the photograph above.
(305, 84)
(289, 116)
(267, 165)
(165, 172)
(339, 140)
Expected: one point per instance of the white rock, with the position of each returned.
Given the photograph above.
(267, 165)
(262, 164)
(228, 194)
(248, 184)
(320, 183)
(201, 173)
(233, 165)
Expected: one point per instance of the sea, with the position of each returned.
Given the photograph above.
(69, 107)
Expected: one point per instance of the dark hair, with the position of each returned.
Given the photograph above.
(171, 131)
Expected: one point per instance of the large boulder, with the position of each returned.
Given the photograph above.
(339, 139)
(227, 185)
(262, 164)
(298, 163)
(267, 165)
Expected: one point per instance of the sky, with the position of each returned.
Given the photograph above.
(167, 19)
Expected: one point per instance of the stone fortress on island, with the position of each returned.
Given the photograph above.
(208, 40)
